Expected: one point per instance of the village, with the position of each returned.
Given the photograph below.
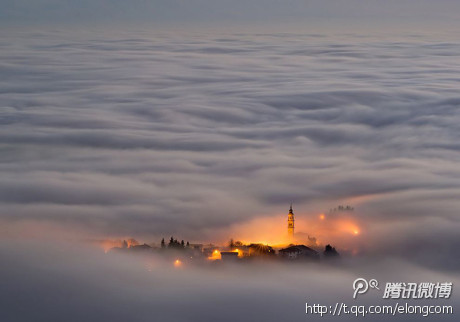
(234, 251)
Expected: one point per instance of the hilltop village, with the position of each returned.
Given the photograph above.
(235, 251)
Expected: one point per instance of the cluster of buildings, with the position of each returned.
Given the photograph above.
(235, 251)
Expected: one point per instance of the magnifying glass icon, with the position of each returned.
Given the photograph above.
(373, 283)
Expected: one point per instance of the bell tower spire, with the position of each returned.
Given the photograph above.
(291, 222)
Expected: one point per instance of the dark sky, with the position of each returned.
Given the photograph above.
(337, 13)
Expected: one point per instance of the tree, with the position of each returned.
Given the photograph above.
(163, 243)
(231, 244)
(188, 244)
(330, 251)
(182, 243)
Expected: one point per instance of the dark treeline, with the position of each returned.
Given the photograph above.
(174, 243)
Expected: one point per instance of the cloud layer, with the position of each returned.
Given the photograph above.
(56, 282)
(148, 133)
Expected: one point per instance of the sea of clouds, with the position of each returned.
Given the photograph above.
(148, 133)
(154, 133)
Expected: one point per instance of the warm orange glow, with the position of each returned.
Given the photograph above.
(108, 244)
(311, 229)
(240, 252)
(177, 263)
(215, 255)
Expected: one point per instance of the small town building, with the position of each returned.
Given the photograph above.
(298, 252)
(229, 256)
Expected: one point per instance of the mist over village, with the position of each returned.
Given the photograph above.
(184, 252)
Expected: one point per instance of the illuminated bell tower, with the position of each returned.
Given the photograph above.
(291, 222)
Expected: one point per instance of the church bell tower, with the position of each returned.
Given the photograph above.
(291, 223)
